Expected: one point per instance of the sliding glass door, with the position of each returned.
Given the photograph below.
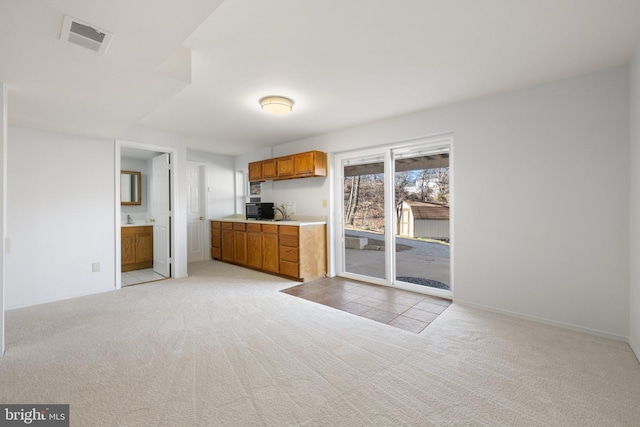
(395, 216)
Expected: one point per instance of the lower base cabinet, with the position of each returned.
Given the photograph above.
(297, 252)
(136, 247)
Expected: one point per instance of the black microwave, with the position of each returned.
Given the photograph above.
(259, 210)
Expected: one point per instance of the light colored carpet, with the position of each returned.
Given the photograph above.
(225, 348)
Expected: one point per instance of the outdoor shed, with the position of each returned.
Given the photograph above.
(423, 219)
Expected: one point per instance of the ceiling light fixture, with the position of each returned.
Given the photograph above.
(276, 104)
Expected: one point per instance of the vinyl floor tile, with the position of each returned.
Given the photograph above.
(402, 309)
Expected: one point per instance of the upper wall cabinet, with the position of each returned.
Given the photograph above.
(302, 165)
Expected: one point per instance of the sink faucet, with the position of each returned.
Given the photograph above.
(282, 211)
(129, 220)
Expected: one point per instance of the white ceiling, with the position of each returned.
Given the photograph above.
(343, 62)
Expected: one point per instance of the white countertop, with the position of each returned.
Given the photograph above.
(298, 221)
(144, 224)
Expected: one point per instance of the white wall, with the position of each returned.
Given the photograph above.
(634, 294)
(242, 163)
(60, 216)
(555, 160)
(220, 181)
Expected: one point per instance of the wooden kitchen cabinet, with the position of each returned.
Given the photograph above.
(297, 252)
(285, 167)
(311, 163)
(216, 240)
(302, 165)
(254, 246)
(269, 247)
(255, 172)
(227, 241)
(136, 247)
(269, 169)
(303, 251)
(240, 243)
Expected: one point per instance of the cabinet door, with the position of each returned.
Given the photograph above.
(240, 247)
(285, 166)
(255, 171)
(270, 259)
(269, 169)
(304, 163)
(128, 251)
(144, 247)
(254, 249)
(227, 245)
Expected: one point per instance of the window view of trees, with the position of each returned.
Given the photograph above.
(364, 195)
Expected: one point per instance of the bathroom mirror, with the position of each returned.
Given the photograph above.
(130, 188)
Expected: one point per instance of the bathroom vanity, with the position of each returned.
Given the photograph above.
(137, 247)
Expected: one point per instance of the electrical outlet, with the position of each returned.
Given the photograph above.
(95, 267)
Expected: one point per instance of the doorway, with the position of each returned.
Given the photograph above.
(143, 243)
(394, 204)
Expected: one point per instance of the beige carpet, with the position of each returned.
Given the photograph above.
(225, 348)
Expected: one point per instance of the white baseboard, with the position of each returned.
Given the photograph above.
(546, 321)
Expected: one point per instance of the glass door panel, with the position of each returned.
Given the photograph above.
(364, 216)
(421, 186)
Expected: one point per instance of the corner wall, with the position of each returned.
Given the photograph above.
(634, 292)
(541, 194)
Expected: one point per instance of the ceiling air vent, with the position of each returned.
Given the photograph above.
(85, 35)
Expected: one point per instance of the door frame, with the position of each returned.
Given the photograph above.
(435, 141)
(117, 213)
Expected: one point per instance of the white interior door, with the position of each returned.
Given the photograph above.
(161, 214)
(195, 213)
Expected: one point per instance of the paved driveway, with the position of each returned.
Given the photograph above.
(422, 260)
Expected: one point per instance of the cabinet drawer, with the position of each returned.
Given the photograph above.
(240, 226)
(291, 241)
(215, 225)
(216, 232)
(216, 253)
(216, 242)
(268, 228)
(288, 254)
(226, 226)
(289, 268)
(289, 230)
(254, 228)
(142, 229)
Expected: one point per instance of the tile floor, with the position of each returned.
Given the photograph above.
(136, 277)
(406, 310)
